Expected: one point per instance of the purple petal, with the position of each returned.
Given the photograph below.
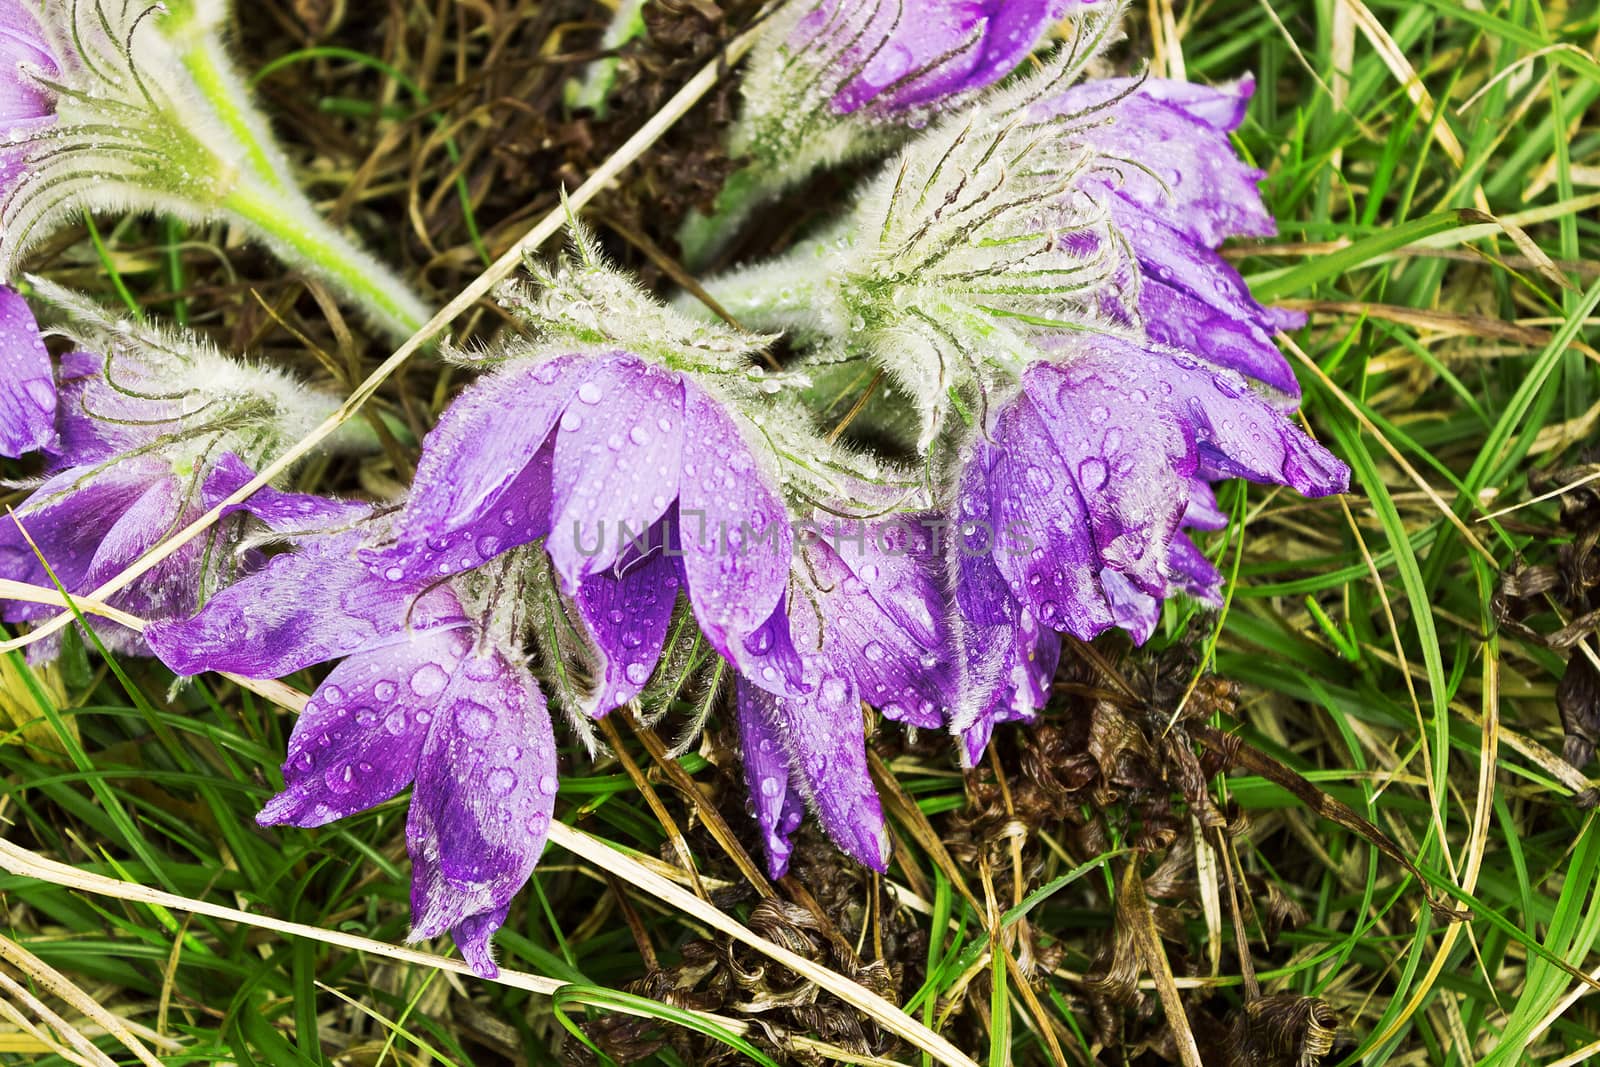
(778, 807)
(280, 511)
(1043, 542)
(1191, 298)
(357, 742)
(1194, 574)
(1195, 180)
(482, 443)
(172, 587)
(733, 528)
(1240, 434)
(626, 608)
(523, 516)
(485, 794)
(1221, 107)
(1203, 512)
(67, 517)
(23, 52)
(1134, 610)
(472, 935)
(981, 592)
(825, 740)
(1005, 674)
(1128, 457)
(315, 604)
(769, 658)
(881, 618)
(27, 390)
(616, 464)
(900, 55)
(96, 421)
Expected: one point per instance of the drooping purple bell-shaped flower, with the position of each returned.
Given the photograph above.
(835, 80)
(426, 694)
(150, 436)
(1068, 514)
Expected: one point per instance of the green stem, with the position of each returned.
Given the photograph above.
(304, 239)
(267, 198)
(228, 98)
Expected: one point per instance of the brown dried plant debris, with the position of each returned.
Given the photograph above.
(1562, 580)
(723, 976)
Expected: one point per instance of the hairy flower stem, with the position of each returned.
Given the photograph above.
(297, 234)
(223, 90)
(268, 198)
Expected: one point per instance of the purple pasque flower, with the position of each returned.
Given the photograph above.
(148, 438)
(641, 447)
(27, 386)
(1068, 512)
(832, 78)
(835, 80)
(639, 480)
(430, 691)
(1176, 189)
(864, 619)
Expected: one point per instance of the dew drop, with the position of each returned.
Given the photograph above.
(474, 720)
(428, 680)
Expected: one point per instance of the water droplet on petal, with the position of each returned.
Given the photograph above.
(428, 680)
(474, 720)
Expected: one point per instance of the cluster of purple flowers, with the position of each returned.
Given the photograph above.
(1102, 365)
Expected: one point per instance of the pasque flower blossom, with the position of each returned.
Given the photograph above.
(652, 458)
(430, 691)
(153, 429)
(1095, 463)
(643, 449)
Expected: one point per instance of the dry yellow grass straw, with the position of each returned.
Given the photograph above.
(16, 860)
(542, 231)
(53, 981)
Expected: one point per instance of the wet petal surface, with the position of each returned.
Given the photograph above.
(357, 742)
(485, 794)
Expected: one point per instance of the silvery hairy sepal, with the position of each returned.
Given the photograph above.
(119, 105)
(958, 253)
(152, 429)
